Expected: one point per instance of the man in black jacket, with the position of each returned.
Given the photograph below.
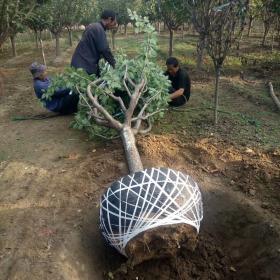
(180, 82)
(94, 45)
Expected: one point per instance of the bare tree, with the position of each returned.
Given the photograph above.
(226, 24)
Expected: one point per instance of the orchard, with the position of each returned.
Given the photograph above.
(119, 183)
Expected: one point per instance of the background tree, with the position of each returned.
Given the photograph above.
(226, 24)
(75, 11)
(173, 13)
(200, 16)
(267, 16)
(13, 12)
(253, 13)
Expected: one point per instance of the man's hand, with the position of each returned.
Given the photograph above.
(177, 93)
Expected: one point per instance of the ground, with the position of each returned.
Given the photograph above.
(51, 179)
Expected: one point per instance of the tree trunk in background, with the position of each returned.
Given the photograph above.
(218, 74)
(266, 29)
(125, 30)
(43, 52)
(14, 50)
(114, 39)
(57, 45)
(171, 33)
(70, 35)
(250, 26)
(36, 39)
(131, 152)
(201, 44)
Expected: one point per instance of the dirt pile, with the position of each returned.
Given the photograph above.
(207, 261)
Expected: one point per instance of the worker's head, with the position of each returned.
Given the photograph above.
(109, 19)
(172, 65)
(38, 71)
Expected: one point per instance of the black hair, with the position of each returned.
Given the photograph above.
(172, 61)
(106, 14)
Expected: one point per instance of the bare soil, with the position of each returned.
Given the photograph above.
(51, 179)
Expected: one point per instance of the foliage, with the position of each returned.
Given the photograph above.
(12, 15)
(143, 66)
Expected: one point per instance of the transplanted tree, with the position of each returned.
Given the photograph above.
(125, 100)
(226, 23)
(12, 12)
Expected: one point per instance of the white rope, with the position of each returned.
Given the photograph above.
(148, 199)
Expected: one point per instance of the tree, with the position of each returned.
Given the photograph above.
(13, 12)
(253, 12)
(38, 21)
(200, 17)
(64, 13)
(75, 11)
(143, 95)
(226, 24)
(174, 13)
(267, 16)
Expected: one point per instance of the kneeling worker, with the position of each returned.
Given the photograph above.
(180, 81)
(63, 101)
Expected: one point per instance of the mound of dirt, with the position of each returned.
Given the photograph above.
(207, 261)
(161, 242)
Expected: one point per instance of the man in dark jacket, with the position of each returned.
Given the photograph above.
(63, 100)
(94, 45)
(180, 81)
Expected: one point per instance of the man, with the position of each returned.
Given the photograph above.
(180, 81)
(94, 45)
(63, 101)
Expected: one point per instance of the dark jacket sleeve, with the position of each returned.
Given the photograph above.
(102, 46)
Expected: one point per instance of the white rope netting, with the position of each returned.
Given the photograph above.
(148, 199)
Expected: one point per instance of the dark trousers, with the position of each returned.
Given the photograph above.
(69, 104)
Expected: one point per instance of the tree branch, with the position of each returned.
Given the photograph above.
(111, 121)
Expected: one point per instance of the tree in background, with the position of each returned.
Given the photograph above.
(267, 16)
(13, 13)
(276, 11)
(173, 13)
(75, 11)
(38, 21)
(200, 16)
(226, 24)
(253, 13)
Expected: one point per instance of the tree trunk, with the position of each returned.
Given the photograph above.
(171, 33)
(250, 26)
(114, 39)
(266, 29)
(57, 45)
(70, 37)
(218, 74)
(36, 39)
(14, 50)
(131, 152)
(159, 30)
(43, 52)
(183, 31)
(125, 30)
(200, 50)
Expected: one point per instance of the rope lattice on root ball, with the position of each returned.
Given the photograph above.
(146, 200)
